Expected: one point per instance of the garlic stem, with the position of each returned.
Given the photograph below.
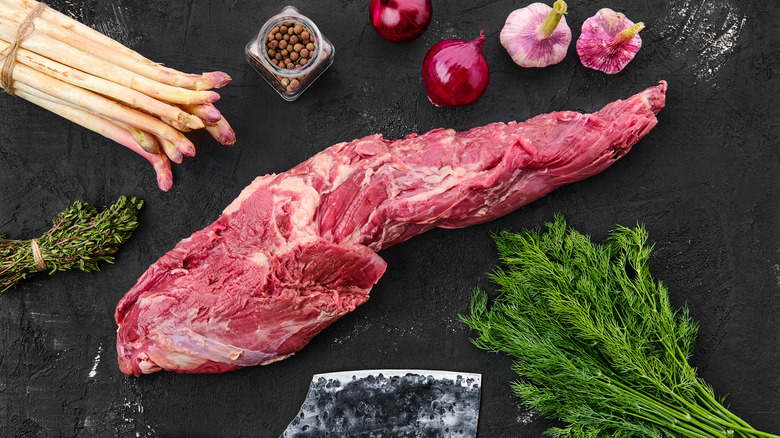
(626, 34)
(546, 29)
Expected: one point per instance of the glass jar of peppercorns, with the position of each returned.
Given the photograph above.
(290, 53)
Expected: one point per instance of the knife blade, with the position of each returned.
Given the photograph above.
(389, 403)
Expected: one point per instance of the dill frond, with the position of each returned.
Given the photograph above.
(594, 338)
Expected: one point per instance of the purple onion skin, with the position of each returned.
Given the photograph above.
(400, 21)
(455, 72)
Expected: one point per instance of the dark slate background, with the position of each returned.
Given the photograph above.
(704, 182)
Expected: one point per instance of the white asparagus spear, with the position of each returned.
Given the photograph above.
(207, 112)
(216, 125)
(65, 54)
(86, 45)
(170, 150)
(103, 127)
(147, 141)
(60, 19)
(222, 132)
(97, 104)
(91, 41)
(177, 124)
(99, 85)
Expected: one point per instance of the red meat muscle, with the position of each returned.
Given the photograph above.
(297, 250)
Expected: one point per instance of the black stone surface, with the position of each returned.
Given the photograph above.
(389, 404)
(705, 182)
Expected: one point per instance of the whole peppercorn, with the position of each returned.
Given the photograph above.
(290, 46)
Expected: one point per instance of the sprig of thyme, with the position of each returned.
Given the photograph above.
(595, 339)
(79, 239)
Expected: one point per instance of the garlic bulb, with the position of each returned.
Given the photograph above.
(608, 41)
(537, 35)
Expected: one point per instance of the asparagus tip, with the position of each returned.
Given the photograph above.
(165, 180)
(217, 79)
(186, 147)
(174, 155)
(222, 132)
(190, 121)
(209, 114)
(211, 96)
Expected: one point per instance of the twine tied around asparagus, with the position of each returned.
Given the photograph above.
(8, 56)
(36, 252)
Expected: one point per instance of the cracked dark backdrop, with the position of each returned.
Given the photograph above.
(704, 182)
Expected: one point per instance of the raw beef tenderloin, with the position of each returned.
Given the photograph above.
(296, 251)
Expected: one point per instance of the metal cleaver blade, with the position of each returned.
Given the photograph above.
(389, 403)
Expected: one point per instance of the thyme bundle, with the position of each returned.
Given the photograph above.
(595, 339)
(79, 239)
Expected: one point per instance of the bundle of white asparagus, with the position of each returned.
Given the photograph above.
(88, 78)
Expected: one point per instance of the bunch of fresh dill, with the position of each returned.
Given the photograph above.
(80, 238)
(595, 339)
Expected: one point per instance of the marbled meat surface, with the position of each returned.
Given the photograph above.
(297, 250)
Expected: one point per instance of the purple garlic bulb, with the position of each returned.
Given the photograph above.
(537, 35)
(608, 41)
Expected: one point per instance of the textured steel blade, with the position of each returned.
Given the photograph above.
(389, 403)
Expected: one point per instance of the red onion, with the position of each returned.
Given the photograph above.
(455, 72)
(400, 20)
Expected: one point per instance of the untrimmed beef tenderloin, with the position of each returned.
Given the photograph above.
(297, 250)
